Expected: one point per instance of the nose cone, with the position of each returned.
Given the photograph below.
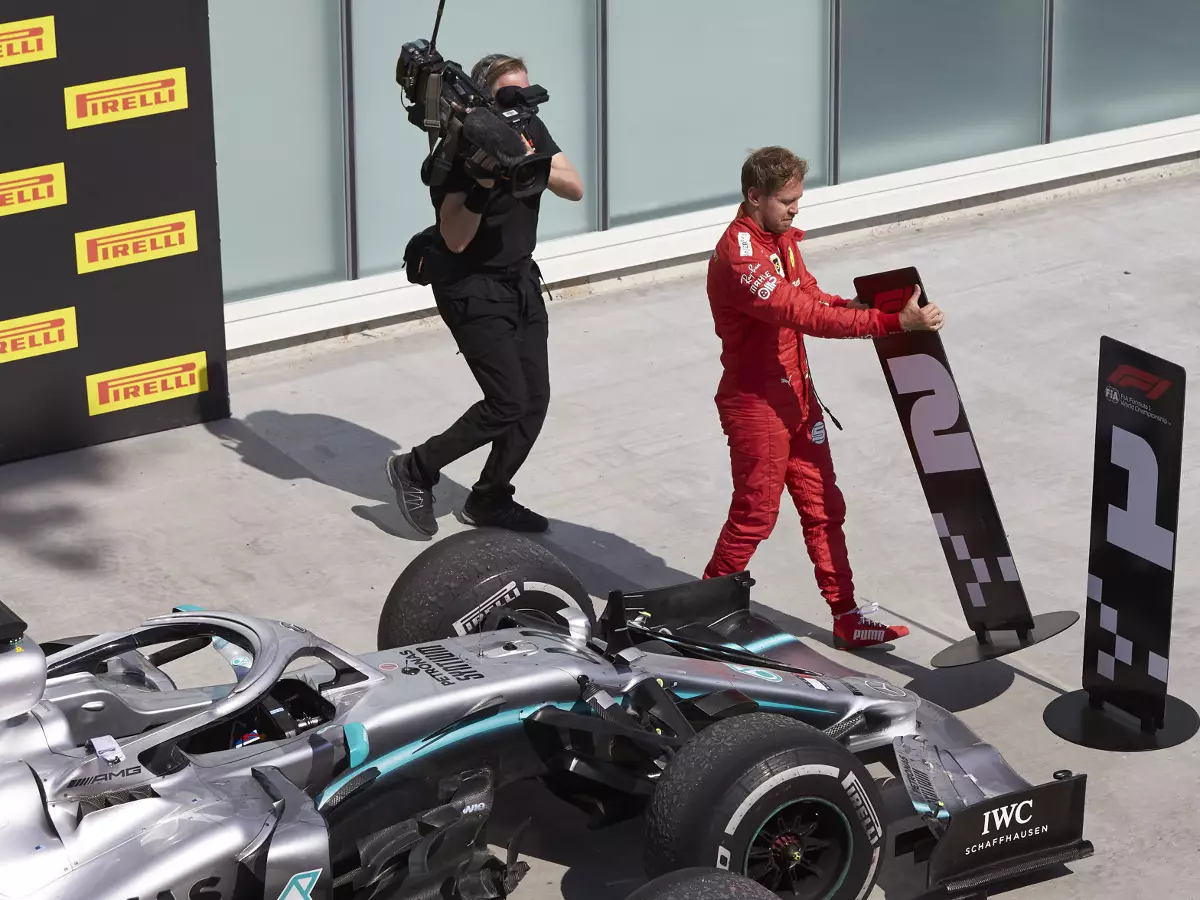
(895, 703)
(881, 688)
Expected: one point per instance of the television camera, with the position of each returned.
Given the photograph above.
(465, 123)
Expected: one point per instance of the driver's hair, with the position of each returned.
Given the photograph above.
(494, 66)
(768, 169)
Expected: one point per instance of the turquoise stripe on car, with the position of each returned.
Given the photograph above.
(402, 756)
(357, 743)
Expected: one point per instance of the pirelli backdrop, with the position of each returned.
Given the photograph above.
(111, 308)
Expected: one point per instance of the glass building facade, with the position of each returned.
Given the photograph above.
(656, 103)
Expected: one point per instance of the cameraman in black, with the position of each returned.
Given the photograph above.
(486, 286)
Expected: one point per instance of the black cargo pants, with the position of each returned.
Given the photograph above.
(500, 324)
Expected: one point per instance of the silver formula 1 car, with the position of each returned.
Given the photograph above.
(314, 774)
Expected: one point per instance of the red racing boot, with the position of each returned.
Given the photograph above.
(853, 630)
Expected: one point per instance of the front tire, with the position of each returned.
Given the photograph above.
(773, 799)
(450, 588)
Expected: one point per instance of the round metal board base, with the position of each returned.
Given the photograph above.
(1073, 719)
(1002, 643)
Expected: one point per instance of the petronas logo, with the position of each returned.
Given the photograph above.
(300, 887)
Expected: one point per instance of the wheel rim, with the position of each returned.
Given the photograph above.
(801, 850)
(539, 613)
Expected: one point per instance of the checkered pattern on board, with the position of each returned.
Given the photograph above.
(1008, 568)
(1106, 663)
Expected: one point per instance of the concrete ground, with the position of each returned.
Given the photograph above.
(284, 510)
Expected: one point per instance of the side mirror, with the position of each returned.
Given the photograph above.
(22, 675)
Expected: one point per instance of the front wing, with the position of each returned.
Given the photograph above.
(989, 824)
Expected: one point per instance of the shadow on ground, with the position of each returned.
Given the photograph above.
(36, 528)
(351, 458)
(952, 689)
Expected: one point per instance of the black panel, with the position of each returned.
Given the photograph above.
(135, 153)
(1135, 513)
(948, 463)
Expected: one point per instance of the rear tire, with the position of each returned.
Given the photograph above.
(773, 799)
(449, 589)
(700, 883)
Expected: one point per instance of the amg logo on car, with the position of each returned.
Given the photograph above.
(858, 796)
(449, 663)
(105, 777)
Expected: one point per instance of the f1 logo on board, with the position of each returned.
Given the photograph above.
(38, 335)
(1151, 385)
(132, 386)
(28, 190)
(30, 40)
(135, 242)
(126, 98)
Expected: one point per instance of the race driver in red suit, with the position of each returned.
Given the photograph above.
(763, 301)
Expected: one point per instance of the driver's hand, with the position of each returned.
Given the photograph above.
(921, 318)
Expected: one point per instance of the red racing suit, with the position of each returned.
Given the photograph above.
(763, 301)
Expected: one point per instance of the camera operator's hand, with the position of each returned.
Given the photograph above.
(918, 318)
(489, 183)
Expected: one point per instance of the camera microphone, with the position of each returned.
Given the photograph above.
(493, 135)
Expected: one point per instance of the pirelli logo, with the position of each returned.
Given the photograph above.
(126, 98)
(136, 242)
(27, 190)
(37, 335)
(153, 382)
(30, 40)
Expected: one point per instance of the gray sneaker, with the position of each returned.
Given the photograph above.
(510, 515)
(413, 497)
